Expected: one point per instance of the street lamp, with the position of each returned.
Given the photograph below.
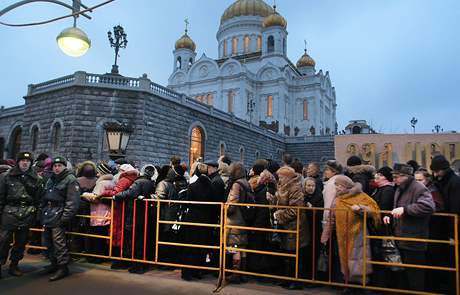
(117, 138)
(413, 122)
(72, 41)
(120, 41)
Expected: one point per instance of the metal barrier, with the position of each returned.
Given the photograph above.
(223, 248)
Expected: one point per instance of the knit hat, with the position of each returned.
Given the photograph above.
(344, 181)
(438, 163)
(403, 169)
(387, 172)
(272, 166)
(334, 166)
(286, 171)
(24, 156)
(354, 161)
(259, 166)
(59, 160)
(103, 168)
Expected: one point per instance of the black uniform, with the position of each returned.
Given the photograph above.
(59, 205)
(19, 199)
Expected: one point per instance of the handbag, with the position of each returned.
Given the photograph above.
(323, 260)
(275, 237)
(390, 253)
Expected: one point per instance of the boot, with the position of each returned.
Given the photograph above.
(49, 269)
(14, 269)
(61, 273)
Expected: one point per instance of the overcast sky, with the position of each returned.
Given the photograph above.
(389, 60)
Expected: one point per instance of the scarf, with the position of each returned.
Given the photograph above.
(350, 224)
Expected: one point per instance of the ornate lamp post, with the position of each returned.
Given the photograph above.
(413, 122)
(251, 107)
(119, 42)
(117, 138)
(437, 128)
(72, 41)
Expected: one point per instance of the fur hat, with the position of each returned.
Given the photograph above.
(286, 171)
(354, 161)
(387, 172)
(438, 163)
(24, 156)
(344, 181)
(403, 169)
(334, 166)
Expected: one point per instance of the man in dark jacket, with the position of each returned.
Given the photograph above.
(448, 184)
(59, 205)
(413, 207)
(142, 188)
(19, 197)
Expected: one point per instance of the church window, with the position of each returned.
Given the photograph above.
(34, 138)
(242, 154)
(190, 62)
(209, 99)
(230, 101)
(196, 145)
(222, 149)
(179, 63)
(247, 42)
(2, 147)
(56, 136)
(270, 44)
(270, 106)
(15, 142)
(234, 45)
(305, 109)
(225, 48)
(259, 43)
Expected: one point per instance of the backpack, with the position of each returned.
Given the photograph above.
(247, 197)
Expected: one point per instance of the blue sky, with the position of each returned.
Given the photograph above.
(389, 60)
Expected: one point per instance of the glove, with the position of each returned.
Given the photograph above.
(140, 198)
(118, 197)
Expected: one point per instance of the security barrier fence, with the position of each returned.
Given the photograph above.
(163, 249)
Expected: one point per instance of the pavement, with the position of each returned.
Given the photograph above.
(94, 279)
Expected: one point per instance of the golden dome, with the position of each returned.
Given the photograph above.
(245, 8)
(306, 61)
(274, 19)
(185, 42)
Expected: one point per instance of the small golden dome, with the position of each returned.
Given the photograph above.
(185, 42)
(306, 61)
(245, 8)
(274, 19)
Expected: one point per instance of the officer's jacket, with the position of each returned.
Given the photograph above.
(61, 200)
(19, 198)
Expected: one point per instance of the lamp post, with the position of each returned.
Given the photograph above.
(72, 41)
(120, 41)
(413, 122)
(437, 128)
(118, 135)
(251, 106)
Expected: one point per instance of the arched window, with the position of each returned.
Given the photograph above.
(305, 109)
(234, 45)
(247, 43)
(356, 130)
(179, 63)
(270, 106)
(242, 154)
(231, 97)
(196, 145)
(270, 44)
(257, 155)
(34, 138)
(15, 142)
(259, 43)
(222, 149)
(2, 147)
(190, 62)
(56, 136)
(225, 48)
(209, 99)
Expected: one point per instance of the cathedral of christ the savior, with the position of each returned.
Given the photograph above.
(253, 78)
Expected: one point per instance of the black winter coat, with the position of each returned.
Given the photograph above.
(263, 214)
(362, 174)
(449, 187)
(19, 198)
(61, 200)
(384, 197)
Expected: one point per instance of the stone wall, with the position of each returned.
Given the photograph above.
(11, 119)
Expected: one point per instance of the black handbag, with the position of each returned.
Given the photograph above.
(275, 237)
(323, 260)
(390, 253)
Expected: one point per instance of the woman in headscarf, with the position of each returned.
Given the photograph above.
(347, 222)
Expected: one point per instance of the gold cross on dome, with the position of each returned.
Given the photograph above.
(186, 24)
(305, 42)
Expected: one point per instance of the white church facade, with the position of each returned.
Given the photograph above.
(253, 78)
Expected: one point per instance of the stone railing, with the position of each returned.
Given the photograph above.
(13, 111)
(308, 139)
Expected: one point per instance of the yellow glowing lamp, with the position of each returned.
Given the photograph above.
(73, 42)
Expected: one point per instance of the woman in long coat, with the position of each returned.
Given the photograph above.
(347, 222)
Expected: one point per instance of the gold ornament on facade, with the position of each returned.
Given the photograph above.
(306, 61)
(247, 8)
(185, 41)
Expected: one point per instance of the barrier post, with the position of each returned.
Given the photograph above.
(111, 227)
(133, 234)
(297, 240)
(457, 283)
(158, 230)
(365, 247)
(146, 213)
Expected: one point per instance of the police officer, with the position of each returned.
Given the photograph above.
(20, 190)
(59, 205)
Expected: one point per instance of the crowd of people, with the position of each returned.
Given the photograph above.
(326, 213)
